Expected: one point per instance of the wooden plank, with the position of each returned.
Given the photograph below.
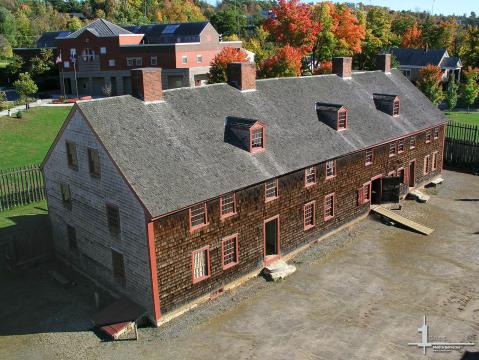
(402, 220)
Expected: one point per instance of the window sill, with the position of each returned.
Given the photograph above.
(198, 227)
(400, 152)
(267, 200)
(227, 216)
(330, 177)
(392, 155)
(327, 218)
(226, 267)
(309, 227)
(308, 185)
(368, 163)
(200, 279)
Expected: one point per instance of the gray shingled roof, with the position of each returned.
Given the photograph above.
(173, 153)
(418, 57)
(100, 28)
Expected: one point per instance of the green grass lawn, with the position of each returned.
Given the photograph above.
(26, 141)
(7, 217)
(471, 118)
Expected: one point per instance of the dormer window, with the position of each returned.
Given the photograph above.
(387, 103)
(247, 134)
(333, 115)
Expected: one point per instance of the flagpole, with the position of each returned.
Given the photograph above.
(76, 81)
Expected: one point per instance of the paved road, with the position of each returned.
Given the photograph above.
(359, 295)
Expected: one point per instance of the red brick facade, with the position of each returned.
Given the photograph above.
(146, 84)
(175, 242)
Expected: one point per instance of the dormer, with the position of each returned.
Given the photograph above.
(333, 115)
(387, 103)
(247, 134)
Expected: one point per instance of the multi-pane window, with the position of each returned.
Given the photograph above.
(310, 176)
(184, 59)
(330, 169)
(342, 120)
(412, 142)
(72, 155)
(129, 61)
(201, 268)
(72, 237)
(271, 189)
(94, 162)
(367, 192)
(392, 149)
(400, 173)
(436, 133)
(230, 251)
(309, 215)
(369, 157)
(400, 145)
(328, 206)
(428, 136)
(198, 216)
(228, 205)
(434, 160)
(113, 218)
(118, 265)
(199, 59)
(154, 60)
(66, 195)
(396, 108)
(427, 164)
(257, 139)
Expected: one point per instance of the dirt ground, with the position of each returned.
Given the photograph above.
(360, 294)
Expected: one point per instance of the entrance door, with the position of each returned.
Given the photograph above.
(391, 189)
(376, 190)
(271, 238)
(412, 173)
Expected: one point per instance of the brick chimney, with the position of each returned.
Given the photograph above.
(242, 75)
(383, 62)
(146, 84)
(342, 66)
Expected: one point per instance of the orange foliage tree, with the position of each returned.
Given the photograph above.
(285, 62)
(220, 63)
(412, 37)
(292, 24)
(430, 83)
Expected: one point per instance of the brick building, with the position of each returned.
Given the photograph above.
(102, 53)
(171, 195)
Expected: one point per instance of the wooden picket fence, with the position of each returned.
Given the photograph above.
(462, 145)
(21, 186)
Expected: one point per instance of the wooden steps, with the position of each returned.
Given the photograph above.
(402, 220)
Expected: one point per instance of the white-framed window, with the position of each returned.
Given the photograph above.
(436, 133)
(406, 73)
(129, 61)
(154, 60)
(271, 189)
(228, 205)
(328, 207)
(369, 157)
(139, 61)
(66, 64)
(229, 251)
(342, 119)
(199, 58)
(184, 59)
(428, 136)
(400, 146)
(257, 138)
(330, 169)
(309, 212)
(392, 149)
(198, 216)
(103, 50)
(396, 107)
(201, 264)
(111, 62)
(412, 142)
(310, 176)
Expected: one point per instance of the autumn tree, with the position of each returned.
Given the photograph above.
(220, 63)
(430, 83)
(285, 62)
(469, 50)
(291, 23)
(412, 37)
(470, 90)
(181, 11)
(260, 45)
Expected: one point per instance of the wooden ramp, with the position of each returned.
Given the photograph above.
(402, 220)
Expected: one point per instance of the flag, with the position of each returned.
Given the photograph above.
(59, 59)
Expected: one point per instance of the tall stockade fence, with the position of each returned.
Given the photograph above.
(461, 144)
(21, 186)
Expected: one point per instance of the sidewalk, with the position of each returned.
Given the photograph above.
(44, 102)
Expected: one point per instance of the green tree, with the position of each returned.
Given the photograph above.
(228, 22)
(470, 90)
(74, 23)
(14, 66)
(451, 94)
(260, 45)
(469, 50)
(430, 83)
(43, 63)
(7, 25)
(3, 100)
(25, 87)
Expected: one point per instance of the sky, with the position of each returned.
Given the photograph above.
(445, 7)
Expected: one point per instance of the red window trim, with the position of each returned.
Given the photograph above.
(268, 199)
(329, 217)
(426, 168)
(278, 240)
(197, 227)
(326, 169)
(395, 143)
(366, 163)
(364, 200)
(309, 226)
(306, 184)
(197, 280)
(342, 110)
(225, 216)
(254, 127)
(434, 159)
(399, 106)
(435, 135)
(403, 146)
(430, 136)
(404, 173)
(415, 143)
(392, 173)
(227, 266)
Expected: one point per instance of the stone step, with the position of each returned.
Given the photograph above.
(418, 196)
(278, 270)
